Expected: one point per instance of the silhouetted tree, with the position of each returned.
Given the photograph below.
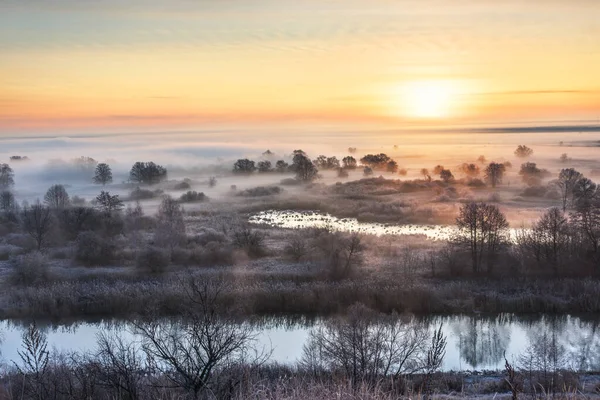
(147, 173)
(264, 166)
(438, 169)
(483, 229)
(425, 173)
(170, 228)
(37, 222)
(494, 173)
(391, 166)
(244, 166)
(103, 174)
(108, 203)
(470, 170)
(7, 201)
(351, 150)
(446, 175)
(481, 159)
(375, 161)
(367, 171)
(57, 197)
(281, 166)
(304, 168)
(349, 162)
(7, 176)
(523, 151)
(567, 179)
(551, 233)
(564, 158)
(531, 174)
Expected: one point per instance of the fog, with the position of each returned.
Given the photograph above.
(200, 155)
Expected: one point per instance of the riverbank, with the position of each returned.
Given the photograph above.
(258, 293)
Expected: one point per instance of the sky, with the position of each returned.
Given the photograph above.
(109, 65)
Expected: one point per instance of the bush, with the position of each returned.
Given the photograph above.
(144, 194)
(192, 197)
(152, 260)
(29, 269)
(296, 248)
(251, 241)
(476, 183)
(93, 249)
(260, 191)
(182, 185)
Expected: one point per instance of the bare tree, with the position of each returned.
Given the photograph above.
(119, 365)
(7, 176)
(483, 229)
(189, 352)
(57, 197)
(364, 345)
(103, 174)
(567, 180)
(34, 362)
(37, 222)
(109, 203)
(433, 361)
(170, 227)
(494, 173)
(7, 201)
(425, 173)
(552, 234)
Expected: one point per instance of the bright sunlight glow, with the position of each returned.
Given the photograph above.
(427, 99)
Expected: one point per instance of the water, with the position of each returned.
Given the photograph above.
(313, 219)
(475, 342)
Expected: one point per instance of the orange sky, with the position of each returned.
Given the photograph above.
(108, 64)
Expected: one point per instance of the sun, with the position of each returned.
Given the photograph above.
(426, 99)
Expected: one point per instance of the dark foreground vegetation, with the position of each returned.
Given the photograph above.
(209, 353)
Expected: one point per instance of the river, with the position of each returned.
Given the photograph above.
(475, 342)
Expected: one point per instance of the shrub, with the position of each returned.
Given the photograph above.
(144, 194)
(182, 185)
(192, 197)
(260, 191)
(93, 249)
(296, 248)
(476, 183)
(251, 241)
(152, 260)
(29, 269)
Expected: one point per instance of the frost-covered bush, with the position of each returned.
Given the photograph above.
(152, 260)
(29, 269)
(93, 249)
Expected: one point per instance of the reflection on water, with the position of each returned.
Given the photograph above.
(310, 219)
(474, 342)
